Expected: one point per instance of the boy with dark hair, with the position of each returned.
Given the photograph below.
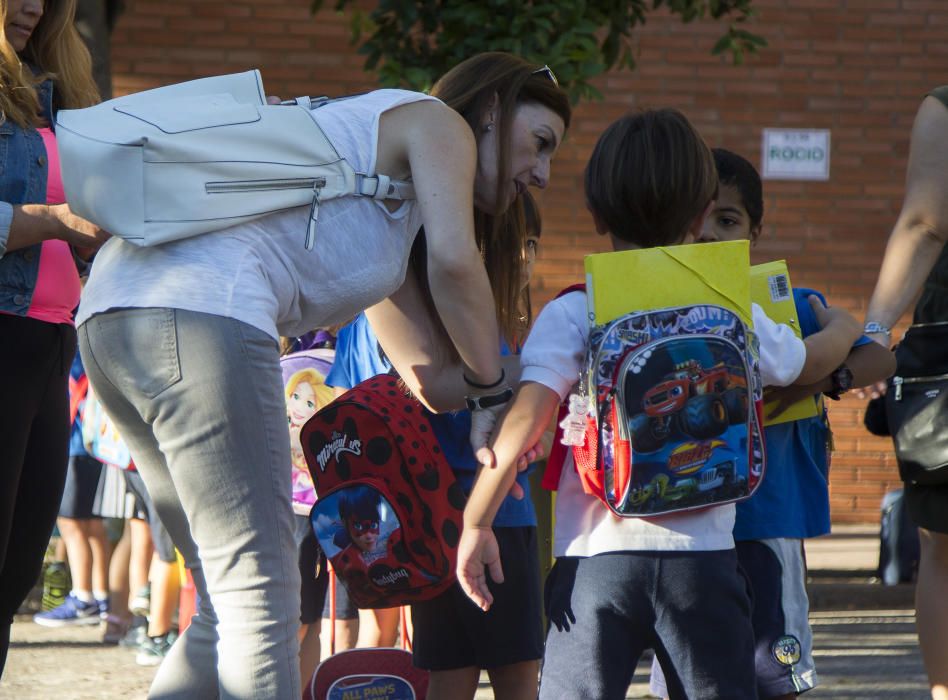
(792, 502)
(622, 585)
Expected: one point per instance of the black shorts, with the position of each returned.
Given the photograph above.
(82, 481)
(928, 506)
(451, 632)
(145, 510)
(313, 572)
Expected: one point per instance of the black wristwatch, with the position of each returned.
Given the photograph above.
(476, 403)
(842, 380)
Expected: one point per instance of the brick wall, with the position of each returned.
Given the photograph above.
(856, 68)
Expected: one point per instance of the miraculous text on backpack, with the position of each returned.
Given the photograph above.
(668, 414)
(200, 156)
(388, 510)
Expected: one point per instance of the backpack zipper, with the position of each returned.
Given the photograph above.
(897, 382)
(291, 183)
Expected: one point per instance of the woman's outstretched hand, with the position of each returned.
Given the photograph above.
(478, 553)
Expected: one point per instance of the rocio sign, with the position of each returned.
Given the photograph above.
(797, 154)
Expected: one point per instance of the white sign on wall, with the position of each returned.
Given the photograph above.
(796, 154)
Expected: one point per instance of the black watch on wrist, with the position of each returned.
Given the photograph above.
(476, 403)
(842, 379)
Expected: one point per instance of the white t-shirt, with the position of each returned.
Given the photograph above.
(259, 272)
(553, 356)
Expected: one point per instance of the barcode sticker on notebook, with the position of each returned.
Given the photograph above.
(779, 288)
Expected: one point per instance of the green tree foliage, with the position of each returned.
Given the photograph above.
(412, 42)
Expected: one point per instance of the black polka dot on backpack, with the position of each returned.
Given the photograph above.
(379, 450)
(405, 502)
(456, 496)
(450, 533)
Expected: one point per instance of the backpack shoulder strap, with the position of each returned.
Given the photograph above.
(578, 287)
(554, 463)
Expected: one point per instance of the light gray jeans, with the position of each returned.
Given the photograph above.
(199, 400)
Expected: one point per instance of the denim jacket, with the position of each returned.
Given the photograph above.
(23, 168)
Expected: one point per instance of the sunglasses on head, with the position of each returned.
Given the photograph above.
(361, 526)
(548, 72)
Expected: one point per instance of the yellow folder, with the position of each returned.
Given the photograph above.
(655, 278)
(772, 291)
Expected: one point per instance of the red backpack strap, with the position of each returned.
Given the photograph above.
(554, 463)
(77, 392)
(578, 287)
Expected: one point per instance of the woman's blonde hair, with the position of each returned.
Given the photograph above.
(56, 52)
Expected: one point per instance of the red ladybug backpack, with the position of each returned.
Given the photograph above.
(388, 511)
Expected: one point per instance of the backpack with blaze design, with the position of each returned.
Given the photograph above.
(388, 511)
(668, 415)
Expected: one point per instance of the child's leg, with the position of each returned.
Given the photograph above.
(456, 684)
(780, 617)
(705, 639)
(378, 628)
(314, 575)
(165, 593)
(79, 553)
(601, 621)
(515, 681)
(119, 566)
(347, 622)
(101, 553)
(139, 562)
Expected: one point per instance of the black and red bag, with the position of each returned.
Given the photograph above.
(388, 509)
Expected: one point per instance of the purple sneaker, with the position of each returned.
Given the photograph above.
(72, 612)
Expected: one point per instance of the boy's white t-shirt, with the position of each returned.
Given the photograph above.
(553, 356)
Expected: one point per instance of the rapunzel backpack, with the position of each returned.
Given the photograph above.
(304, 384)
(388, 511)
(668, 413)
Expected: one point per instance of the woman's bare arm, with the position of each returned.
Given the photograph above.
(409, 335)
(442, 156)
(921, 230)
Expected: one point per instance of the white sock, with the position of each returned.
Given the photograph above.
(101, 595)
(84, 596)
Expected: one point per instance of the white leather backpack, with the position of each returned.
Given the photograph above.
(200, 156)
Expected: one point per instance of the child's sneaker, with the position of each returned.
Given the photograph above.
(141, 603)
(71, 612)
(115, 629)
(103, 604)
(136, 633)
(55, 585)
(153, 650)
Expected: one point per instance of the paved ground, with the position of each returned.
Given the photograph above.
(863, 651)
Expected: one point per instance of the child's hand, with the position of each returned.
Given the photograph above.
(476, 550)
(825, 315)
(873, 391)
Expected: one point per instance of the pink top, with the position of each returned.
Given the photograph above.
(57, 284)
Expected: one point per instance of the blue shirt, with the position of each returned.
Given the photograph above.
(358, 358)
(793, 499)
